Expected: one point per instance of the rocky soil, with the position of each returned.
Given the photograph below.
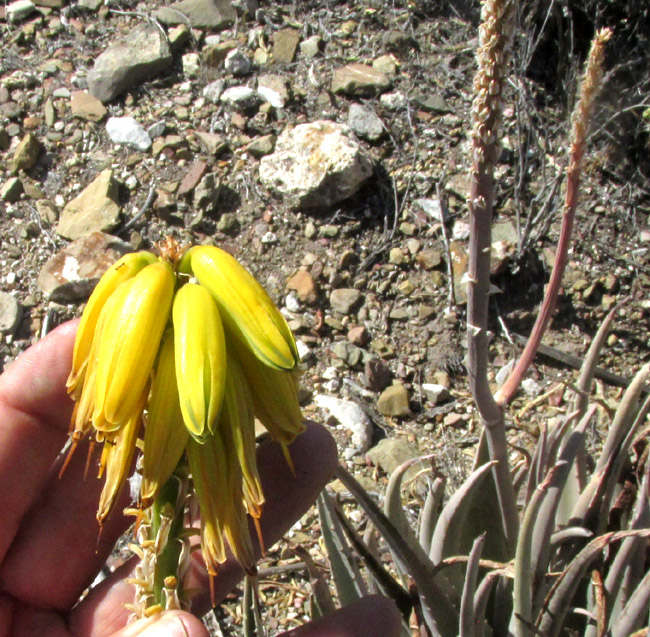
(324, 144)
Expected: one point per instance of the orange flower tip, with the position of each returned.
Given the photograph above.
(287, 457)
(260, 538)
(91, 448)
(211, 576)
(68, 457)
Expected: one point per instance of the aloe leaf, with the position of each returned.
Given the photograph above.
(593, 504)
(430, 512)
(485, 513)
(570, 533)
(322, 602)
(537, 464)
(544, 521)
(560, 598)
(347, 578)
(449, 527)
(635, 611)
(623, 418)
(439, 611)
(385, 581)
(469, 589)
(393, 506)
(481, 601)
(253, 626)
(586, 377)
(522, 615)
(631, 552)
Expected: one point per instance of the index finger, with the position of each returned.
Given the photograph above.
(34, 414)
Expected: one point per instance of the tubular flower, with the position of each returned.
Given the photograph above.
(190, 348)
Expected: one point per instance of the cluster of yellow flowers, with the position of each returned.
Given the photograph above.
(190, 346)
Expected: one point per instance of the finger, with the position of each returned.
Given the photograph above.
(167, 624)
(34, 414)
(60, 540)
(287, 499)
(373, 616)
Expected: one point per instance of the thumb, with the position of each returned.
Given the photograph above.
(172, 623)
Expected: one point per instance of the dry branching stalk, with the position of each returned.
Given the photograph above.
(495, 37)
(589, 88)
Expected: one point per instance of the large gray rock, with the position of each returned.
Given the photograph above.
(142, 54)
(96, 208)
(71, 274)
(316, 165)
(201, 14)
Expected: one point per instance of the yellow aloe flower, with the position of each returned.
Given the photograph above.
(129, 344)
(165, 434)
(191, 347)
(245, 307)
(122, 270)
(200, 358)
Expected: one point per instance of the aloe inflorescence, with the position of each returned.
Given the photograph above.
(183, 352)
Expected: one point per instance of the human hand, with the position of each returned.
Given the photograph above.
(50, 546)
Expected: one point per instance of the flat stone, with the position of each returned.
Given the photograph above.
(11, 190)
(139, 56)
(214, 144)
(359, 79)
(214, 91)
(240, 97)
(376, 374)
(128, 132)
(47, 211)
(344, 300)
(311, 47)
(11, 313)
(351, 417)
(394, 401)
(316, 165)
(358, 335)
(26, 153)
(19, 10)
(302, 282)
(228, 223)
(349, 354)
(365, 122)
(435, 393)
(85, 106)
(191, 65)
(262, 146)
(201, 14)
(95, 209)
(387, 64)
(429, 259)
(432, 103)
(71, 274)
(192, 177)
(285, 42)
(237, 63)
(206, 194)
(273, 89)
(390, 453)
